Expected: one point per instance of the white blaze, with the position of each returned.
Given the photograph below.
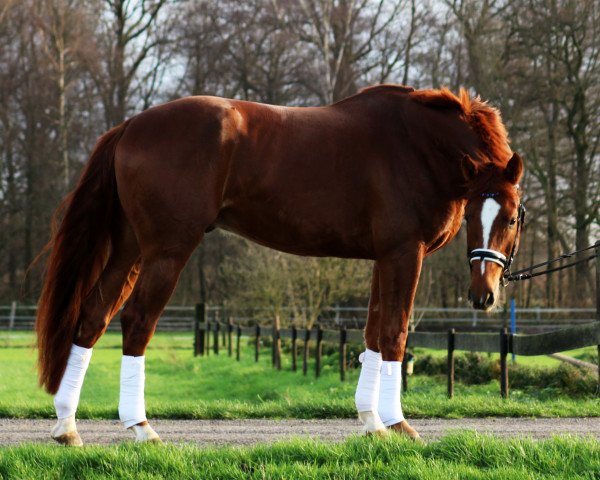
(489, 212)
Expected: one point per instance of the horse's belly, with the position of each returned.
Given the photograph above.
(297, 233)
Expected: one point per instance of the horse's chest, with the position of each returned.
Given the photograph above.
(444, 226)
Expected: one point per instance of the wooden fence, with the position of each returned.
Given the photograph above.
(176, 318)
(213, 335)
(503, 342)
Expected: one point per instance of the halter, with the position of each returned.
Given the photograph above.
(494, 256)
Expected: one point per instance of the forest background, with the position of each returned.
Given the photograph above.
(71, 69)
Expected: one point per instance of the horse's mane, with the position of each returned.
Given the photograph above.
(484, 119)
(387, 88)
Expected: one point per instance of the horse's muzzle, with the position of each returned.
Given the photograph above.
(483, 301)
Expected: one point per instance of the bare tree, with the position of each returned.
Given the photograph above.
(342, 36)
(482, 28)
(62, 26)
(128, 37)
(554, 69)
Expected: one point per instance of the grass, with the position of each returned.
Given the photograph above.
(181, 386)
(458, 456)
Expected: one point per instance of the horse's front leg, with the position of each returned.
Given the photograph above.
(398, 278)
(367, 390)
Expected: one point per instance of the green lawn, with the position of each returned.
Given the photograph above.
(458, 456)
(181, 386)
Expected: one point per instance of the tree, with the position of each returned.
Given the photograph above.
(554, 62)
(129, 35)
(343, 36)
(62, 26)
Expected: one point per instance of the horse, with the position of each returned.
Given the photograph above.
(386, 174)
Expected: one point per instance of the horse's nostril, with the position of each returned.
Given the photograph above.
(489, 300)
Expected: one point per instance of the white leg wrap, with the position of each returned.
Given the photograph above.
(131, 402)
(390, 408)
(67, 397)
(367, 390)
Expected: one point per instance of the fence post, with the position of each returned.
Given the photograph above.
(207, 330)
(257, 343)
(277, 341)
(343, 353)
(216, 337)
(513, 322)
(12, 315)
(319, 349)
(276, 345)
(305, 352)
(237, 343)
(199, 318)
(273, 354)
(229, 335)
(294, 348)
(451, 338)
(597, 251)
(503, 363)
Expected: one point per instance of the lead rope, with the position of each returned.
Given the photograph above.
(527, 273)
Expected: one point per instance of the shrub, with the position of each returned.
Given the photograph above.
(475, 368)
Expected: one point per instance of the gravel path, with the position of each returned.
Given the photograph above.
(245, 432)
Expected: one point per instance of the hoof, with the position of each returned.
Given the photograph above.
(71, 439)
(404, 428)
(372, 424)
(65, 432)
(145, 433)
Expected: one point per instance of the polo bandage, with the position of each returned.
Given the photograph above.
(367, 390)
(390, 408)
(67, 397)
(131, 402)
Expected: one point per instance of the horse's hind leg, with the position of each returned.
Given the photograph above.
(159, 273)
(112, 289)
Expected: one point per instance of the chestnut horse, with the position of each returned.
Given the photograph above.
(387, 174)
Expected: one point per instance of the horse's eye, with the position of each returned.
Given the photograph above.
(512, 221)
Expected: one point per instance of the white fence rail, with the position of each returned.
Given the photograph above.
(181, 318)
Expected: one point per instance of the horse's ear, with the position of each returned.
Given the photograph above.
(514, 169)
(469, 168)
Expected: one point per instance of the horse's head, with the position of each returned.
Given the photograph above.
(494, 215)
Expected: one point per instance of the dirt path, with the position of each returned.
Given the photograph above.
(245, 432)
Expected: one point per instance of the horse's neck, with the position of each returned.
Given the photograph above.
(432, 142)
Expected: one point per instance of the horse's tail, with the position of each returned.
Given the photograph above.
(79, 248)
